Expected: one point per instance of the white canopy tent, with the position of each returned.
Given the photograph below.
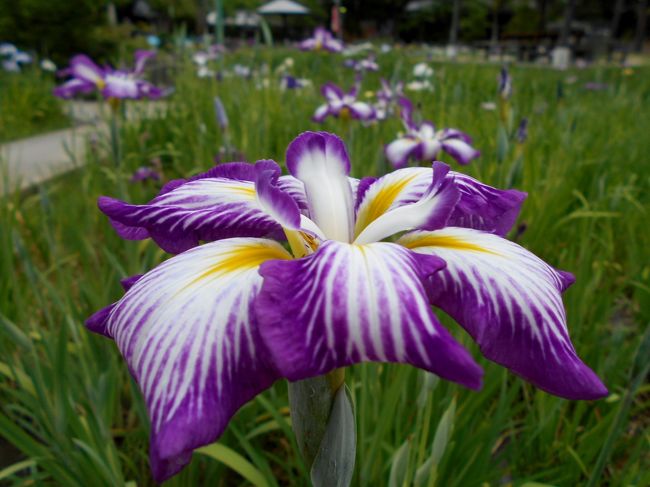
(282, 7)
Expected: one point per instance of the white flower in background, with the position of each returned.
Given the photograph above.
(285, 66)
(422, 70)
(419, 85)
(48, 65)
(489, 106)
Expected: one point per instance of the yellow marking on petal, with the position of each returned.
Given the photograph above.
(244, 190)
(445, 241)
(380, 204)
(344, 114)
(101, 84)
(240, 259)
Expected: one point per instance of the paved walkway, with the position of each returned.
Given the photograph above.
(33, 160)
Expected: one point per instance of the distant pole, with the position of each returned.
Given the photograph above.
(616, 19)
(568, 20)
(337, 6)
(218, 26)
(455, 21)
(642, 13)
(542, 7)
(494, 37)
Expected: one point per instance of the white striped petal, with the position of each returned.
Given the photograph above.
(399, 151)
(204, 209)
(480, 206)
(431, 211)
(350, 303)
(510, 301)
(188, 332)
(321, 162)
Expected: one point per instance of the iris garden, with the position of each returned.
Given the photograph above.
(258, 271)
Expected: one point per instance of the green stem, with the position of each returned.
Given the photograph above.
(310, 401)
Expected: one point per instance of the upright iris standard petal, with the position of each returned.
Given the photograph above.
(332, 93)
(83, 68)
(320, 161)
(480, 206)
(354, 303)
(189, 334)
(430, 212)
(203, 209)
(406, 113)
(141, 57)
(510, 301)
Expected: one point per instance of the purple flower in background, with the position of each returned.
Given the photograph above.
(322, 39)
(522, 131)
(595, 86)
(220, 113)
(343, 105)
(145, 173)
(423, 143)
(210, 328)
(387, 97)
(87, 77)
(505, 83)
(362, 65)
(13, 58)
(390, 93)
(289, 82)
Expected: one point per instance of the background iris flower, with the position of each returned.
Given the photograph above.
(343, 105)
(422, 142)
(321, 40)
(86, 77)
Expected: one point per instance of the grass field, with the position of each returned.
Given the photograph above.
(70, 408)
(27, 106)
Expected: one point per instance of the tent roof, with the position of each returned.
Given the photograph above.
(282, 7)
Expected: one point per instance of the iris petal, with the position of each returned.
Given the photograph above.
(480, 206)
(189, 335)
(321, 162)
(275, 202)
(510, 301)
(350, 303)
(430, 212)
(400, 150)
(203, 209)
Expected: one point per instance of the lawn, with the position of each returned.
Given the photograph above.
(70, 408)
(27, 106)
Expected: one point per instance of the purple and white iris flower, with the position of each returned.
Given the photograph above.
(422, 142)
(387, 97)
(362, 65)
(13, 58)
(322, 39)
(210, 328)
(288, 82)
(505, 83)
(343, 105)
(87, 77)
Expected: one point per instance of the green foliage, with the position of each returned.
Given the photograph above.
(54, 29)
(67, 402)
(27, 105)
